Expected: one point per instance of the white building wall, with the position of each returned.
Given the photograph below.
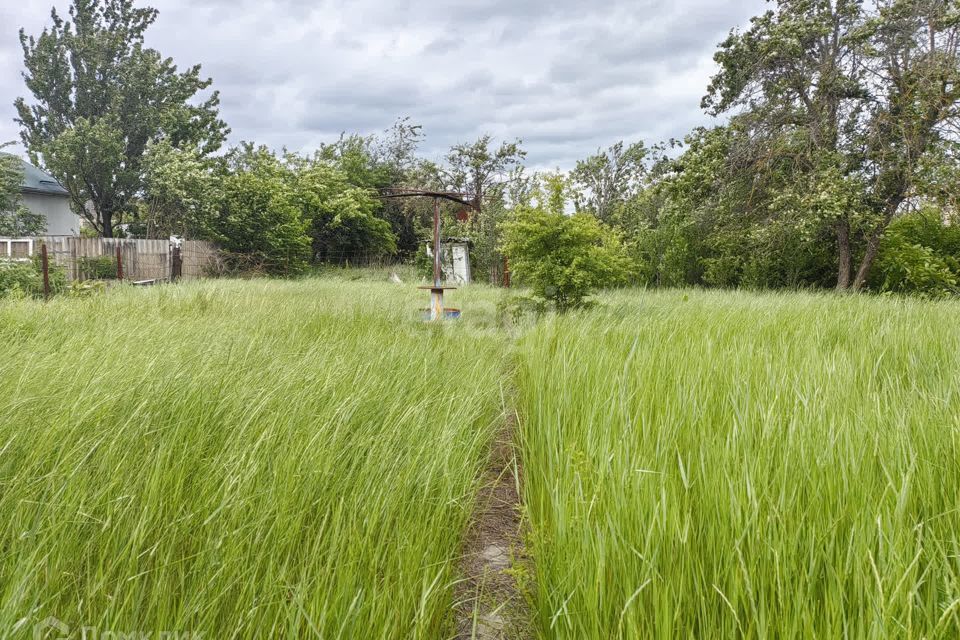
(61, 220)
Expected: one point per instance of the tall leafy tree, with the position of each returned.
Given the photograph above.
(100, 97)
(483, 170)
(842, 105)
(343, 224)
(180, 192)
(258, 219)
(15, 219)
(11, 178)
(607, 179)
(381, 161)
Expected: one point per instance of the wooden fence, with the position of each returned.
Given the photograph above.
(140, 260)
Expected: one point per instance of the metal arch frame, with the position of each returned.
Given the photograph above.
(452, 196)
(437, 311)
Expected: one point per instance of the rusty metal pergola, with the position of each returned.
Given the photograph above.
(437, 310)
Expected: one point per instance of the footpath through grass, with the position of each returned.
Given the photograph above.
(240, 460)
(301, 459)
(721, 465)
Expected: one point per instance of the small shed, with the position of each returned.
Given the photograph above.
(454, 260)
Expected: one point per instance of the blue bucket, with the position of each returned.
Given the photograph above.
(449, 314)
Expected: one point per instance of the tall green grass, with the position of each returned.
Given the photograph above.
(241, 459)
(267, 459)
(720, 465)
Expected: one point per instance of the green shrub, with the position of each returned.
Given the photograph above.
(920, 255)
(25, 279)
(423, 263)
(97, 268)
(258, 222)
(563, 258)
(18, 279)
(22, 222)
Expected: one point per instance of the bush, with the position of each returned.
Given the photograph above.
(258, 221)
(563, 258)
(25, 279)
(423, 263)
(18, 279)
(919, 254)
(98, 268)
(22, 222)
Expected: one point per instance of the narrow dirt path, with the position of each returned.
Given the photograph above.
(489, 604)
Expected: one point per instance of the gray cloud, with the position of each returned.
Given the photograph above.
(565, 76)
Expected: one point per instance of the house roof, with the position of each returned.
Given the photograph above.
(38, 181)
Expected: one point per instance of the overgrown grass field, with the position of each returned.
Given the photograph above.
(722, 465)
(239, 460)
(301, 459)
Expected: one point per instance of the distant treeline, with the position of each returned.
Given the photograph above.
(836, 165)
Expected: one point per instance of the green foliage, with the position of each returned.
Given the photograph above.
(258, 220)
(606, 180)
(379, 162)
(700, 221)
(845, 111)
(15, 219)
(563, 258)
(180, 192)
(282, 213)
(100, 97)
(919, 254)
(21, 222)
(423, 264)
(20, 279)
(483, 170)
(97, 268)
(11, 179)
(343, 224)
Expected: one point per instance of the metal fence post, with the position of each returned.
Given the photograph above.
(45, 263)
(176, 265)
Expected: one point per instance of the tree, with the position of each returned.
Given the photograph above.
(21, 222)
(481, 170)
(179, 192)
(277, 214)
(702, 219)
(100, 97)
(15, 219)
(609, 178)
(380, 162)
(843, 105)
(562, 258)
(11, 179)
(343, 224)
(919, 254)
(258, 219)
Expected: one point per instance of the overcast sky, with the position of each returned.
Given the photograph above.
(565, 76)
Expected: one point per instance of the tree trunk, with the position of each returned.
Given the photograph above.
(873, 247)
(873, 243)
(845, 255)
(106, 224)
